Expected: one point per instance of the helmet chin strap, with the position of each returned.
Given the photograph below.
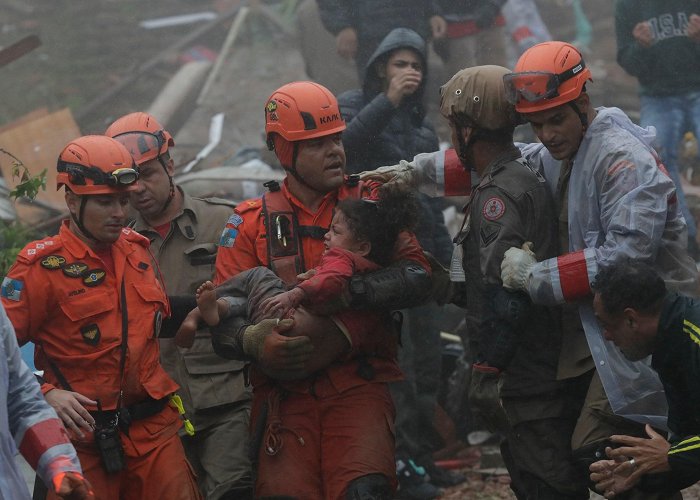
(581, 116)
(464, 145)
(79, 220)
(293, 169)
(171, 195)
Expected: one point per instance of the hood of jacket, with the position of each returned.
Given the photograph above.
(399, 38)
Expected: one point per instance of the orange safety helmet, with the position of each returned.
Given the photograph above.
(142, 135)
(302, 110)
(96, 164)
(547, 75)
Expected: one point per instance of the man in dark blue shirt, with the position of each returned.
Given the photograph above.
(643, 318)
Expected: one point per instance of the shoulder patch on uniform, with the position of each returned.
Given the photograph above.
(494, 208)
(234, 221)
(489, 233)
(248, 205)
(11, 289)
(228, 237)
(39, 249)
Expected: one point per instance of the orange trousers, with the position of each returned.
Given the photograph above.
(156, 467)
(316, 445)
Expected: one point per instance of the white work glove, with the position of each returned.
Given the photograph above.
(516, 267)
(403, 174)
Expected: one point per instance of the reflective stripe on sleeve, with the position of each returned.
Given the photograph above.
(686, 445)
(41, 437)
(575, 272)
(456, 179)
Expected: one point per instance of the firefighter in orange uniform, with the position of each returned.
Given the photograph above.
(337, 424)
(90, 301)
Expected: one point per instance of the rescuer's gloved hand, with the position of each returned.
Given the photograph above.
(402, 174)
(516, 267)
(276, 353)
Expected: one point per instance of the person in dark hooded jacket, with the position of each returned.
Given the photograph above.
(386, 119)
(386, 123)
(360, 25)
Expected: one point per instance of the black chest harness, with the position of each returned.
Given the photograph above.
(285, 251)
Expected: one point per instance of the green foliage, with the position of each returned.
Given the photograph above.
(29, 185)
(13, 235)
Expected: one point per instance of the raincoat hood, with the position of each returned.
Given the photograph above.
(399, 38)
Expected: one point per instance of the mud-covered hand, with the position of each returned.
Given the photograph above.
(403, 174)
(516, 267)
(306, 275)
(72, 486)
(279, 305)
(273, 351)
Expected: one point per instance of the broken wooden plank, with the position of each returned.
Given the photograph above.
(223, 53)
(181, 88)
(18, 49)
(37, 144)
(152, 63)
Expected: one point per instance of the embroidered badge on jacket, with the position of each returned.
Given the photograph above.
(53, 262)
(91, 334)
(75, 269)
(94, 277)
(11, 289)
(493, 209)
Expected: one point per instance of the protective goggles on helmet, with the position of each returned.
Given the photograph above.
(144, 146)
(535, 86)
(78, 175)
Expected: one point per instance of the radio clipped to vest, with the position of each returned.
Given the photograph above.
(284, 234)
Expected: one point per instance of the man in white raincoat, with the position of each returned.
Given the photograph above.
(28, 422)
(614, 200)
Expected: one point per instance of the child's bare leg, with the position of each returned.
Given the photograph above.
(185, 334)
(223, 307)
(207, 303)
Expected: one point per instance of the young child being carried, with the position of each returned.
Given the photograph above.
(361, 239)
